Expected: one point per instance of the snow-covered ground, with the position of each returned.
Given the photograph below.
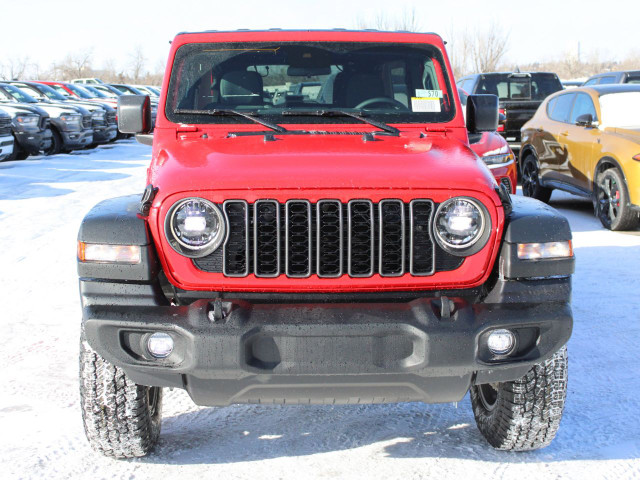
(42, 201)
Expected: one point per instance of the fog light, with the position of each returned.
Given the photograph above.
(501, 342)
(160, 345)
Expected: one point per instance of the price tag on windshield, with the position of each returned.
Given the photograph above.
(420, 93)
(425, 104)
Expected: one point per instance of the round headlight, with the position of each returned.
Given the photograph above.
(195, 227)
(459, 224)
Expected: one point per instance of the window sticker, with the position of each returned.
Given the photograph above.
(425, 104)
(420, 93)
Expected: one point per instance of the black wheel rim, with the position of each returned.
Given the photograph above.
(608, 199)
(488, 394)
(529, 179)
(153, 395)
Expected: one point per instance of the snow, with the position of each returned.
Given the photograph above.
(42, 201)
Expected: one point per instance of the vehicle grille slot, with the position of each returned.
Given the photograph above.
(236, 246)
(329, 238)
(392, 239)
(266, 238)
(421, 251)
(360, 238)
(298, 257)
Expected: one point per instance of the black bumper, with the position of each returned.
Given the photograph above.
(104, 134)
(75, 140)
(32, 143)
(236, 351)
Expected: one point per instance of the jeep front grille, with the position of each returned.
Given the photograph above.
(328, 238)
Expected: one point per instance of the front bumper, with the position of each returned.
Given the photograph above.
(429, 348)
(74, 140)
(6, 146)
(104, 134)
(33, 142)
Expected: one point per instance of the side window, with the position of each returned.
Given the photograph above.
(608, 79)
(551, 105)
(583, 105)
(467, 85)
(593, 81)
(562, 108)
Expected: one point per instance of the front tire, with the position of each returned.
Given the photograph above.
(612, 201)
(56, 143)
(121, 418)
(530, 180)
(523, 414)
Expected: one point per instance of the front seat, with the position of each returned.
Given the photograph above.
(349, 90)
(241, 88)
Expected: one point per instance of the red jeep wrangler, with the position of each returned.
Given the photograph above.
(316, 229)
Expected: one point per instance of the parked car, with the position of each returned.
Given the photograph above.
(70, 125)
(108, 90)
(494, 151)
(520, 95)
(629, 76)
(351, 251)
(6, 138)
(587, 142)
(571, 83)
(103, 117)
(153, 92)
(95, 95)
(87, 81)
(29, 127)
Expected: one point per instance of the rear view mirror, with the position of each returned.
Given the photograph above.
(584, 120)
(134, 114)
(482, 113)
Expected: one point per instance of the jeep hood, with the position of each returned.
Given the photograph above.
(304, 162)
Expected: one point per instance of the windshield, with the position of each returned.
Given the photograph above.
(50, 93)
(79, 91)
(397, 83)
(94, 91)
(534, 86)
(108, 91)
(620, 109)
(18, 94)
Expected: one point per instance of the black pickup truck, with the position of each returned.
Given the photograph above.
(520, 94)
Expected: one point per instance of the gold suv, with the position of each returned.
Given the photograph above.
(586, 141)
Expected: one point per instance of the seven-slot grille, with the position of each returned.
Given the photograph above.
(5, 126)
(328, 238)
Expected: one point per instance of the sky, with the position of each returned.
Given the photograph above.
(46, 31)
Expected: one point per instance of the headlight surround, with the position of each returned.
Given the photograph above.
(462, 226)
(498, 160)
(26, 122)
(98, 116)
(72, 121)
(195, 227)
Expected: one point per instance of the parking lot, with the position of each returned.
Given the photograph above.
(42, 201)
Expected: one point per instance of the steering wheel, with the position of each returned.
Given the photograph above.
(386, 100)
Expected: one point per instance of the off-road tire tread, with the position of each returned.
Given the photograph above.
(117, 419)
(528, 410)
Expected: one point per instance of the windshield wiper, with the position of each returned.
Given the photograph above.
(345, 113)
(218, 111)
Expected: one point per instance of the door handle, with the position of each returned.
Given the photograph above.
(564, 134)
(539, 130)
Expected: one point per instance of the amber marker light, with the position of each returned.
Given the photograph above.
(540, 251)
(103, 253)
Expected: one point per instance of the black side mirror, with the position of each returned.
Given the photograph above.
(584, 120)
(482, 113)
(134, 114)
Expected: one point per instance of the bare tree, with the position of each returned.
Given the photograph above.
(14, 68)
(488, 48)
(137, 63)
(382, 20)
(74, 65)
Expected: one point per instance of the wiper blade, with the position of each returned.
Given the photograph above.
(345, 113)
(218, 111)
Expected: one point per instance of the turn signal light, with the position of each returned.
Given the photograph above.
(537, 251)
(103, 253)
